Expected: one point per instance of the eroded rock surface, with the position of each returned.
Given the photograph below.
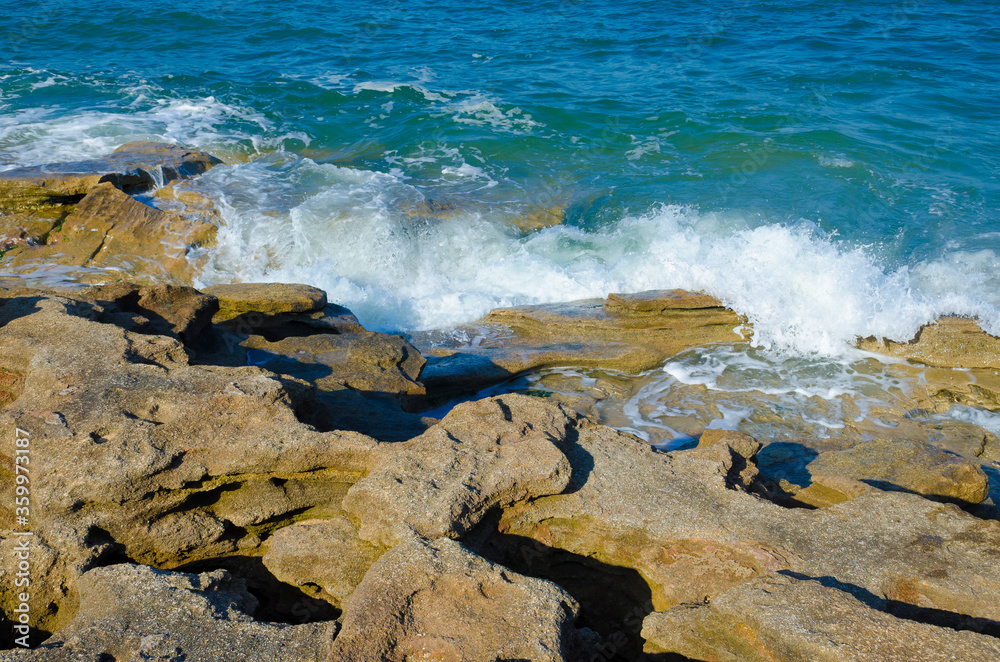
(482, 455)
(134, 168)
(325, 554)
(781, 618)
(956, 342)
(79, 220)
(130, 612)
(631, 333)
(435, 600)
(138, 453)
(674, 518)
(111, 235)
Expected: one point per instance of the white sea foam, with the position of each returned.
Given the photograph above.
(482, 111)
(363, 236)
(38, 136)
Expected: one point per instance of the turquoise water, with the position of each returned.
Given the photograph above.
(828, 169)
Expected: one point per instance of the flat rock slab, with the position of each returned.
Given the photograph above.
(134, 168)
(265, 298)
(435, 600)
(906, 465)
(781, 619)
(131, 612)
(626, 332)
(954, 342)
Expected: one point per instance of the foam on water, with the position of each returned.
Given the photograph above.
(375, 243)
(41, 135)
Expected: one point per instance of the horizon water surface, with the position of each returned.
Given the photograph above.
(828, 171)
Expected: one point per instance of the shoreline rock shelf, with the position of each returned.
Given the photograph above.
(245, 470)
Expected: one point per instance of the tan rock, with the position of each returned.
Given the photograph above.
(136, 450)
(134, 167)
(265, 298)
(370, 363)
(324, 554)
(485, 454)
(434, 600)
(675, 519)
(781, 619)
(907, 465)
(118, 237)
(133, 612)
(949, 342)
(169, 309)
(29, 213)
(630, 333)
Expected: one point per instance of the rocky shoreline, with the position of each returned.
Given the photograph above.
(245, 470)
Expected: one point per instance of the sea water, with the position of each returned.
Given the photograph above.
(828, 170)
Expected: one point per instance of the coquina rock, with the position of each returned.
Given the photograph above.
(684, 522)
(324, 557)
(485, 454)
(131, 612)
(80, 220)
(138, 453)
(626, 332)
(436, 600)
(781, 618)
(134, 167)
(953, 342)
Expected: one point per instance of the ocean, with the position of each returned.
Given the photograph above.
(829, 170)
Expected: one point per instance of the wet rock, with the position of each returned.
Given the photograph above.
(485, 454)
(112, 236)
(676, 519)
(957, 342)
(265, 298)
(324, 555)
(376, 364)
(134, 168)
(630, 333)
(130, 612)
(781, 618)
(907, 465)
(169, 309)
(435, 600)
(29, 213)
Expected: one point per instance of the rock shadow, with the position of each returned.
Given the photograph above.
(784, 462)
(278, 602)
(613, 600)
(905, 610)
